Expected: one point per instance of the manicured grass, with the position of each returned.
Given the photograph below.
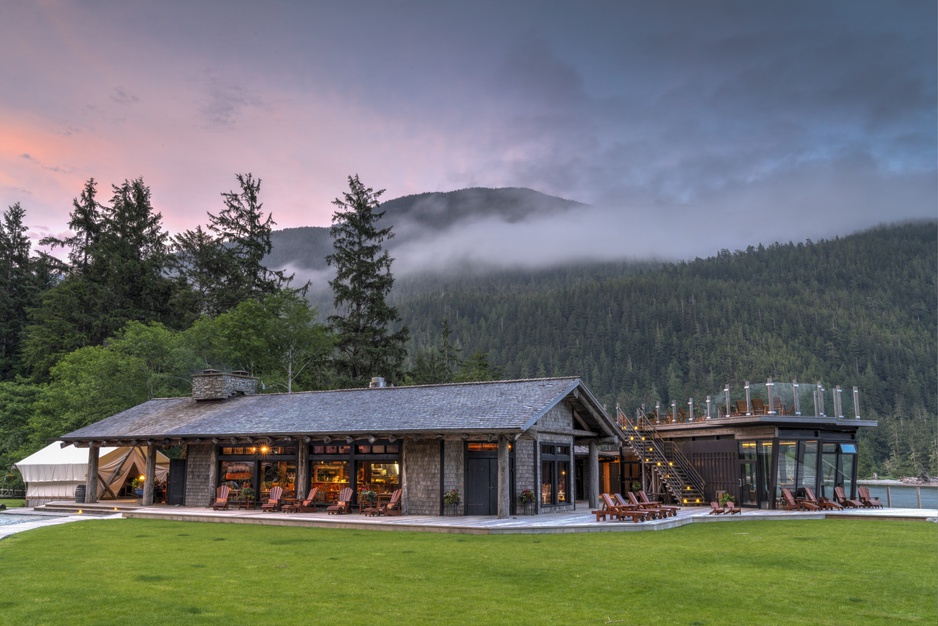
(153, 572)
(13, 502)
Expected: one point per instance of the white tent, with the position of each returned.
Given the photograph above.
(54, 472)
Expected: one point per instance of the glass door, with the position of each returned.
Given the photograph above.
(749, 475)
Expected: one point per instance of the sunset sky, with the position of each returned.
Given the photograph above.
(696, 125)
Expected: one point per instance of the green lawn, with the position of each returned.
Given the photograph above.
(11, 502)
(154, 572)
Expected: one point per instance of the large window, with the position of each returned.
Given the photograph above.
(362, 465)
(259, 467)
(555, 475)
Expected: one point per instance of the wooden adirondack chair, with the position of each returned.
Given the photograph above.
(221, 498)
(307, 505)
(731, 508)
(868, 502)
(716, 509)
(343, 504)
(393, 507)
(273, 502)
(758, 406)
(843, 500)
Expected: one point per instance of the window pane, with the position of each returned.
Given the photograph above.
(547, 478)
(807, 465)
(563, 481)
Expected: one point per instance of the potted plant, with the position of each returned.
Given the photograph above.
(526, 500)
(247, 495)
(726, 497)
(451, 500)
(137, 485)
(368, 497)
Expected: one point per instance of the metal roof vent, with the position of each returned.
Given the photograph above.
(377, 382)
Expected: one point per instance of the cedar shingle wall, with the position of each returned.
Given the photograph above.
(198, 466)
(422, 476)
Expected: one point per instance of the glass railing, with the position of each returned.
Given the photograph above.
(769, 398)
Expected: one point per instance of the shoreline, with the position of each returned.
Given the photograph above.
(895, 483)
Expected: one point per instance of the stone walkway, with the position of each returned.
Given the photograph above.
(574, 522)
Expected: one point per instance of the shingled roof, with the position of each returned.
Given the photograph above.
(499, 407)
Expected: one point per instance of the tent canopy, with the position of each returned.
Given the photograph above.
(54, 472)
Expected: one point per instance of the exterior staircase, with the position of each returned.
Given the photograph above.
(665, 459)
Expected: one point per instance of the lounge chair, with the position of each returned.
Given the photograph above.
(716, 509)
(643, 499)
(654, 511)
(843, 500)
(273, 502)
(732, 508)
(741, 408)
(343, 504)
(822, 503)
(868, 502)
(221, 498)
(790, 503)
(758, 406)
(620, 512)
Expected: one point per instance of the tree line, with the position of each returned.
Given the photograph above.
(856, 310)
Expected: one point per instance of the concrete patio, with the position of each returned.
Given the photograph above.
(580, 521)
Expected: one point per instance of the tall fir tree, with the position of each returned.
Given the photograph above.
(20, 282)
(366, 343)
(118, 273)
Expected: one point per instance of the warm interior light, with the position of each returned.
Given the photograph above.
(264, 449)
(141, 478)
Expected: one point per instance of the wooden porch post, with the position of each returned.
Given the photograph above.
(149, 474)
(91, 482)
(212, 473)
(504, 488)
(302, 466)
(592, 491)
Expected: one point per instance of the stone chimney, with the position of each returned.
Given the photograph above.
(215, 385)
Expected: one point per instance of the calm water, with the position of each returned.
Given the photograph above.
(10, 519)
(903, 496)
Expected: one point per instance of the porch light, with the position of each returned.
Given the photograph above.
(659, 463)
(264, 449)
(141, 478)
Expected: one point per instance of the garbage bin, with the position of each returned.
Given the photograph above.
(80, 494)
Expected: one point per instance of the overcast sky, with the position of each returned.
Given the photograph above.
(690, 126)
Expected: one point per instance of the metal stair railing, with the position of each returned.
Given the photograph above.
(670, 465)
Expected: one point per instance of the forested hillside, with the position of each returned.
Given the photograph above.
(858, 310)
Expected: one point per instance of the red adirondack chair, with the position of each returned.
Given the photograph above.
(273, 502)
(221, 498)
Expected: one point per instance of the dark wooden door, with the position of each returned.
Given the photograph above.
(176, 483)
(481, 485)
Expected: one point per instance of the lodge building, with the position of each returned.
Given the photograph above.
(488, 442)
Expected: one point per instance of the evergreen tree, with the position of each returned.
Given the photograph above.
(243, 234)
(117, 274)
(366, 344)
(19, 285)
